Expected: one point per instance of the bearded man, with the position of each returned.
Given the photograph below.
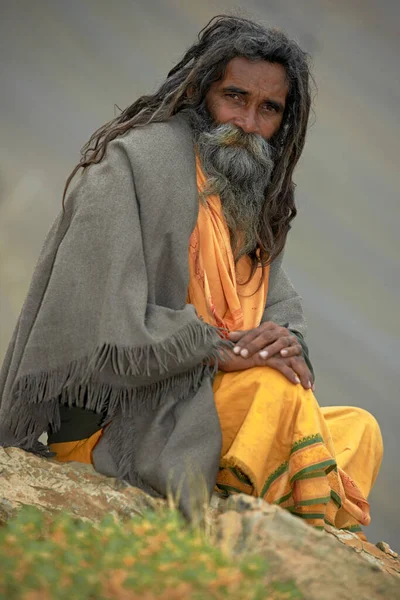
(161, 339)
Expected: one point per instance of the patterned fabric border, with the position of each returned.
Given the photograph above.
(336, 498)
(277, 473)
(326, 466)
(324, 500)
(229, 489)
(309, 440)
(320, 516)
(240, 475)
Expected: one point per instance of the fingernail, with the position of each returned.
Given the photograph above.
(309, 384)
(313, 388)
(236, 349)
(263, 353)
(244, 353)
(297, 380)
(284, 352)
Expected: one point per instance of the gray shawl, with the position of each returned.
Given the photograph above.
(106, 327)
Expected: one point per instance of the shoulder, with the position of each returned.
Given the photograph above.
(162, 143)
(148, 161)
(160, 158)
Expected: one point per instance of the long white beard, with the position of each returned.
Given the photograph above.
(239, 167)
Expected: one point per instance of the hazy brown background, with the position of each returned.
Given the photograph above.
(64, 63)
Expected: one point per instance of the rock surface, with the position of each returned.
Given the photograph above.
(26, 479)
(321, 568)
(324, 565)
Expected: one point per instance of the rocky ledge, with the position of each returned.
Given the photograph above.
(324, 565)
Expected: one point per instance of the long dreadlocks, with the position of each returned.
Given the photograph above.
(224, 38)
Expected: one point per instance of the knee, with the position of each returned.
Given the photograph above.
(368, 419)
(292, 394)
(273, 378)
(372, 431)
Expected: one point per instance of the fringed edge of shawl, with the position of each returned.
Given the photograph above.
(37, 396)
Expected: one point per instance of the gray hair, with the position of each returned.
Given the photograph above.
(224, 38)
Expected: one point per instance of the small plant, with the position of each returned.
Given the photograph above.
(152, 557)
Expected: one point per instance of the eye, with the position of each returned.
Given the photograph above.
(234, 96)
(269, 108)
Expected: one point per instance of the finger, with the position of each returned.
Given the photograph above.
(257, 339)
(299, 366)
(292, 350)
(241, 346)
(235, 336)
(283, 367)
(232, 362)
(284, 342)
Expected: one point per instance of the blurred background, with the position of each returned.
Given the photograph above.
(63, 67)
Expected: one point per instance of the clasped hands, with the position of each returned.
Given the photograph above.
(268, 345)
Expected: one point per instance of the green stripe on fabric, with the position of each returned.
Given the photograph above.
(331, 468)
(242, 477)
(229, 488)
(336, 498)
(309, 440)
(323, 500)
(283, 499)
(309, 515)
(315, 475)
(352, 528)
(277, 473)
(318, 467)
(328, 522)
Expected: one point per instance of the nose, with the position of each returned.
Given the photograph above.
(247, 122)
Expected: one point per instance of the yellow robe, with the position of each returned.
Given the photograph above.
(278, 444)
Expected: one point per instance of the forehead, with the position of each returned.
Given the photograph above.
(258, 77)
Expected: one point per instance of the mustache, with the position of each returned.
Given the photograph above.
(228, 135)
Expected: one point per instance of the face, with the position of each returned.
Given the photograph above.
(252, 95)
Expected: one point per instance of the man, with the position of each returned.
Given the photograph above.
(160, 317)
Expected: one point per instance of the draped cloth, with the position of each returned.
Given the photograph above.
(277, 443)
(106, 327)
(320, 463)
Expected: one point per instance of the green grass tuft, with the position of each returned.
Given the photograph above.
(154, 557)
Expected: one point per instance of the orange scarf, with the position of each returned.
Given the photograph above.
(215, 287)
